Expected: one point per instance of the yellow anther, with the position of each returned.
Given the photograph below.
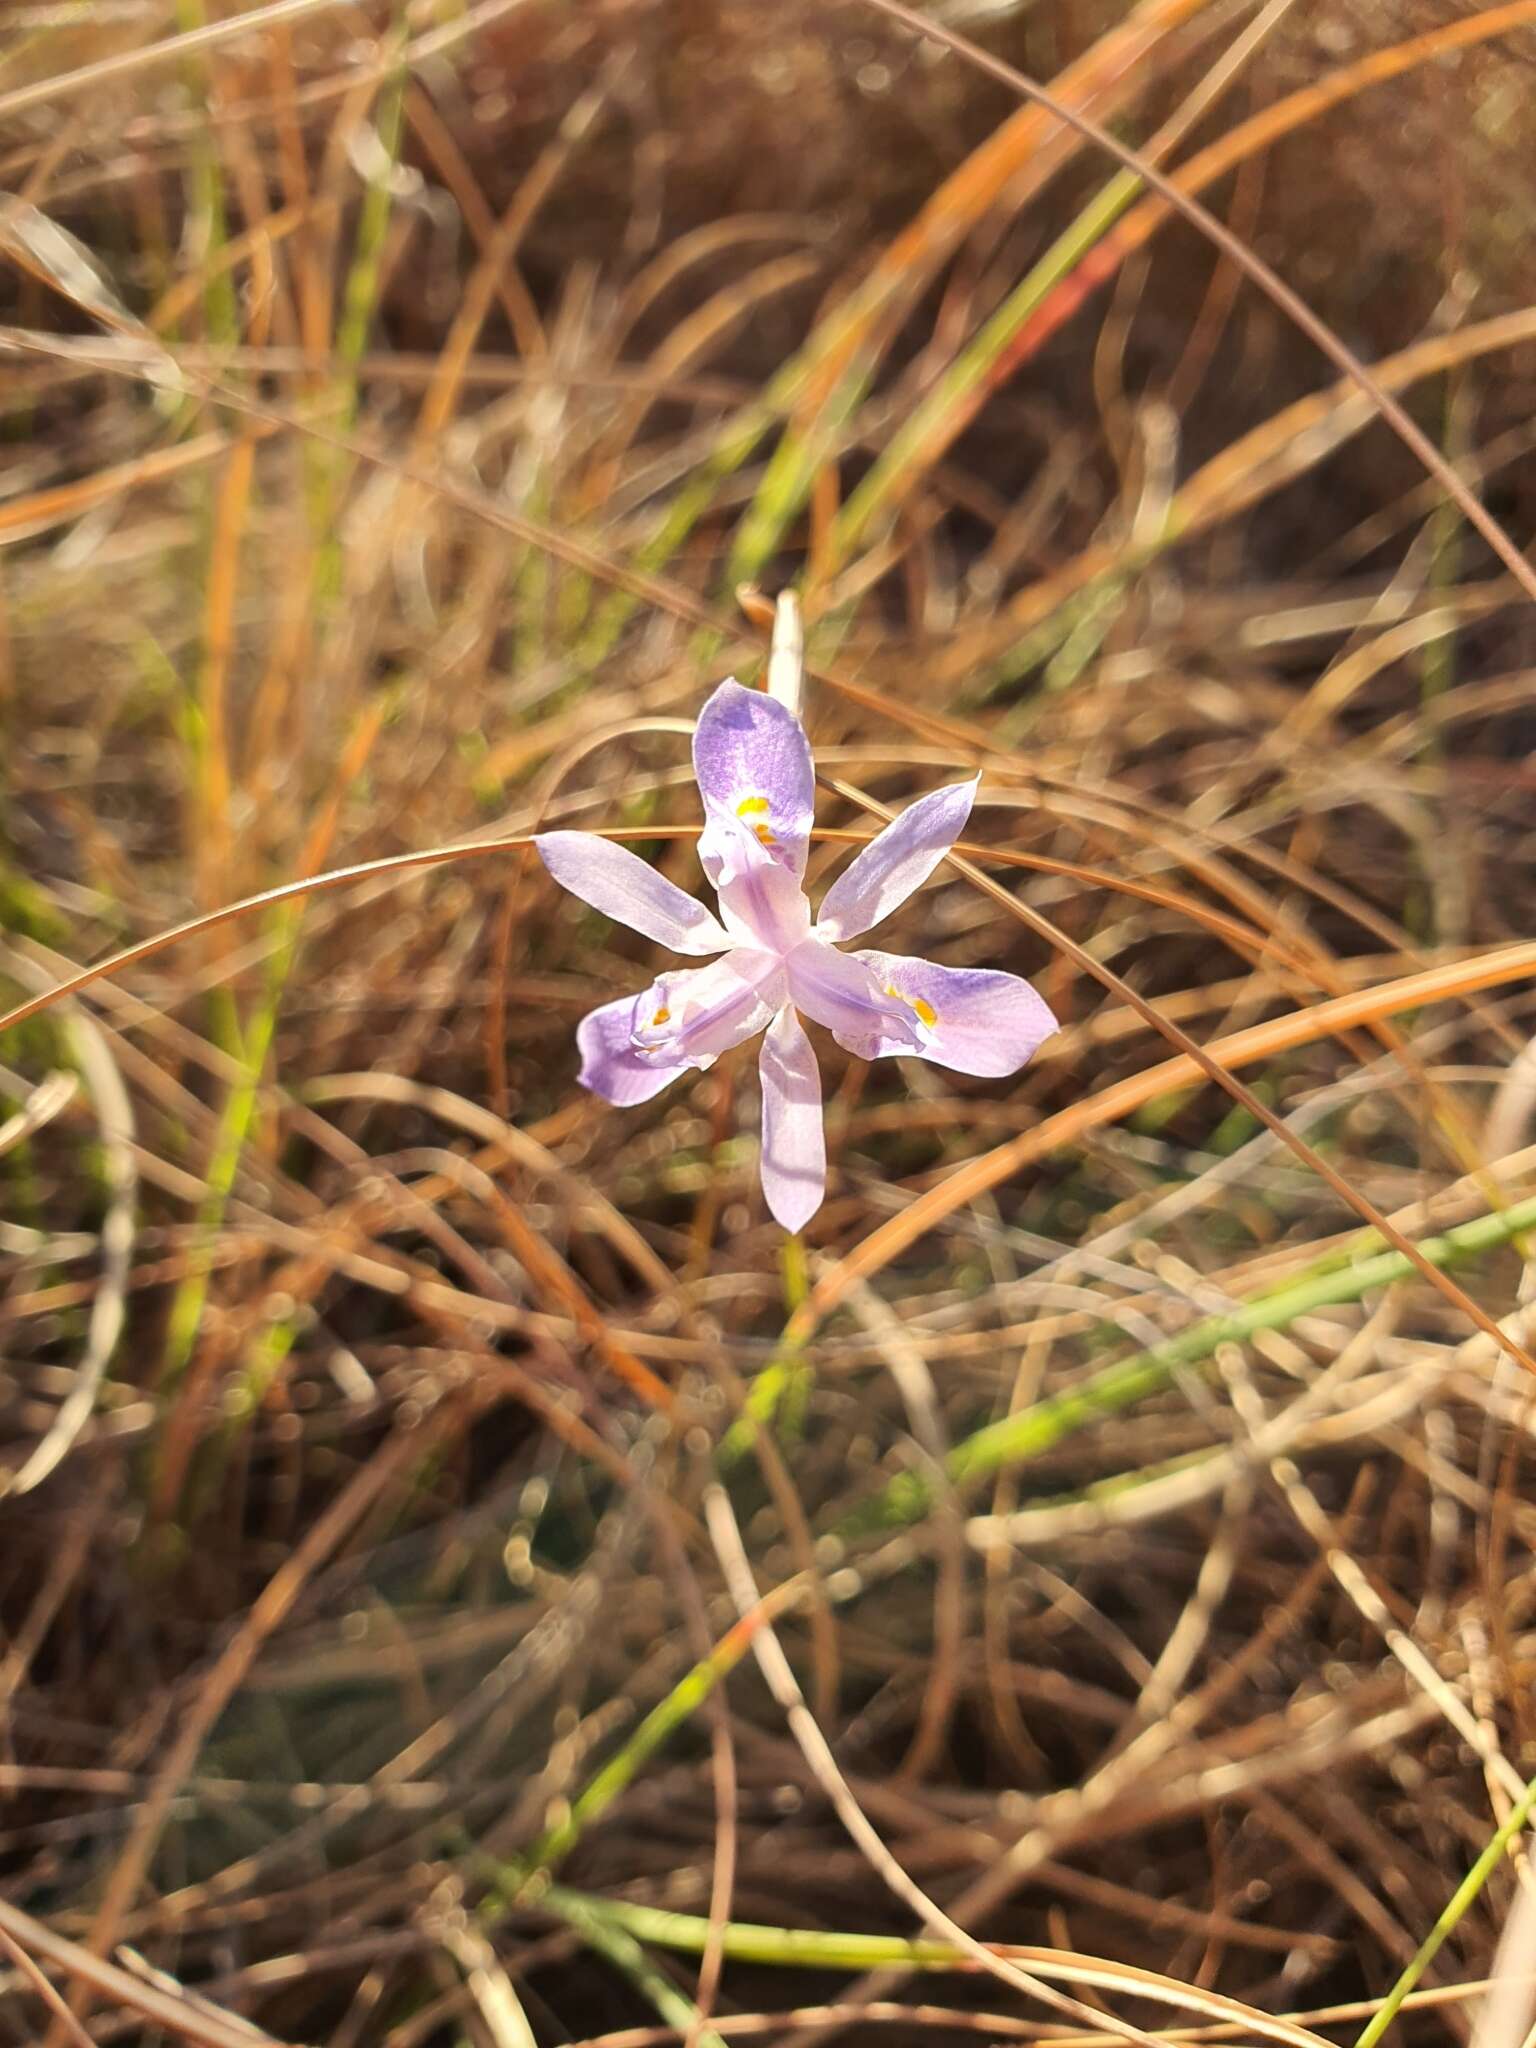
(662, 1016)
(927, 1014)
(752, 807)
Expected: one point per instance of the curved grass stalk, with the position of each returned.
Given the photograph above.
(1253, 467)
(815, 1948)
(1033, 144)
(959, 394)
(528, 1876)
(825, 380)
(1089, 252)
(1016, 1439)
(1295, 308)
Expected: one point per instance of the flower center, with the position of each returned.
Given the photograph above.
(753, 812)
(926, 1013)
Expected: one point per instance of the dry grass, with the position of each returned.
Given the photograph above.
(1121, 1616)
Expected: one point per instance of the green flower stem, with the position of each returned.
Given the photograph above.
(797, 1282)
(783, 1375)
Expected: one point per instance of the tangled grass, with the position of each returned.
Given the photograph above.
(464, 1577)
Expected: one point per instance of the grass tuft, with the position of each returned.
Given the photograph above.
(1132, 1460)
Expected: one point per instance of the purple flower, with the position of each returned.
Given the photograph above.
(753, 764)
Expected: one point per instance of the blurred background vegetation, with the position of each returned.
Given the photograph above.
(461, 1581)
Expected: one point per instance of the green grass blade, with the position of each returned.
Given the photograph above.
(606, 1933)
(791, 475)
(1015, 1439)
(1460, 1900)
(933, 424)
(664, 1719)
(236, 1127)
(748, 1942)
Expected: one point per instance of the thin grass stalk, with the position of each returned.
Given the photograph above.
(252, 1044)
(825, 379)
(845, 351)
(1241, 145)
(952, 404)
(1296, 310)
(528, 1877)
(1457, 1907)
(815, 1948)
(611, 1939)
(1016, 1439)
(209, 212)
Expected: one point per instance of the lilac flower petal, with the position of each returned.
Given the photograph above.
(618, 883)
(840, 991)
(610, 1066)
(884, 873)
(693, 1014)
(761, 900)
(976, 1020)
(794, 1162)
(753, 762)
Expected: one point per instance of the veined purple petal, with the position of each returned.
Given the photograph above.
(610, 1066)
(753, 762)
(976, 1020)
(839, 990)
(794, 1162)
(689, 1016)
(902, 857)
(761, 900)
(621, 885)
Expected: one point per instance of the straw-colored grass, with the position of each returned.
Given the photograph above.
(463, 1578)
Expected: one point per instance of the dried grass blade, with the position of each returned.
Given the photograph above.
(1033, 1431)
(1289, 302)
(1242, 1048)
(1251, 468)
(1240, 146)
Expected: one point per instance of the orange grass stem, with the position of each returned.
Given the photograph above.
(1122, 1098)
(1294, 307)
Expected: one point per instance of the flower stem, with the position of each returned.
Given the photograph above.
(797, 1281)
